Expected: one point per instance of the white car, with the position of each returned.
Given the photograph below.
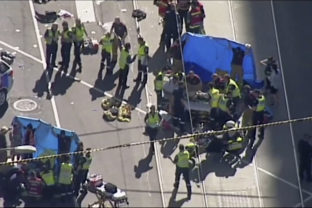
(6, 78)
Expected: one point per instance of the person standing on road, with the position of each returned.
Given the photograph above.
(196, 17)
(152, 120)
(142, 61)
(79, 34)
(66, 44)
(172, 26)
(183, 7)
(305, 154)
(3, 143)
(183, 168)
(51, 37)
(120, 32)
(163, 6)
(124, 61)
(107, 44)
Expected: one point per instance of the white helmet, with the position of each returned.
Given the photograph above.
(230, 124)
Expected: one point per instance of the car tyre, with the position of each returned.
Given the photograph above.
(3, 97)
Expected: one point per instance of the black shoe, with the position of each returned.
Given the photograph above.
(176, 185)
(136, 80)
(126, 86)
(60, 62)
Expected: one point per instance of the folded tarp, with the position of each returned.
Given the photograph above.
(46, 136)
(205, 54)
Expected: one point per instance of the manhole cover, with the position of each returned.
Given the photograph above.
(25, 105)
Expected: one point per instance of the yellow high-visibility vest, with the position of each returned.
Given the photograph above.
(123, 62)
(79, 33)
(215, 96)
(183, 159)
(261, 104)
(153, 120)
(107, 44)
(159, 82)
(66, 175)
(87, 163)
(222, 103)
(66, 36)
(48, 178)
(52, 37)
(141, 52)
(236, 91)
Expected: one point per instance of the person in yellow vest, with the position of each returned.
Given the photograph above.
(224, 113)
(192, 148)
(142, 61)
(51, 37)
(158, 86)
(47, 176)
(183, 168)
(66, 44)
(107, 44)
(232, 87)
(258, 115)
(214, 95)
(65, 177)
(82, 171)
(152, 121)
(79, 35)
(124, 61)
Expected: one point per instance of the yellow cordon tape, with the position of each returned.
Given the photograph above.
(208, 133)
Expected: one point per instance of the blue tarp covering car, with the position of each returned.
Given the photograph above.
(206, 54)
(46, 136)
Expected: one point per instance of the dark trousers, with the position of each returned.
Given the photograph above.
(106, 57)
(77, 51)
(142, 70)
(159, 98)
(170, 35)
(51, 51)
(183, 17)
(152, 133)
(186, 175)
(305, 168)
(65, 53)
(123, 76)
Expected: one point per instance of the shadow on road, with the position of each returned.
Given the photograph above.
(213, 163)
(173, 202)
(41, 85)
(62, 82)
(3, 109)
(135, 96)
(158, 60)
(104, 85)
(167, 147)
(144, 165)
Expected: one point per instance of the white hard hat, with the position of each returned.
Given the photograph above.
(230, 124)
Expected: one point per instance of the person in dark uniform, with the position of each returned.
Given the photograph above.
(305, 153)
(172, 26)
(66, 44)
(3, 143)
(51, 37)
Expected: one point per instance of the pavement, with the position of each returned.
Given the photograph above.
(272, 28)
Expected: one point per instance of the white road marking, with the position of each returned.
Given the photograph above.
(21, 52)
(32, 9)
(254, 160)
(85, 10)
(159, 170)
(287, 103)
(283, 180)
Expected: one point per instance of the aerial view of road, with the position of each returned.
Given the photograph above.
(73, 101)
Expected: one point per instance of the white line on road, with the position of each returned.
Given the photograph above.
(254, 160)
(32, 9)
(283, 180)
(85, 10)
(287, 103)
(21, 52)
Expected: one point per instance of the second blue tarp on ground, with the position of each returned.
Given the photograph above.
(205, 54)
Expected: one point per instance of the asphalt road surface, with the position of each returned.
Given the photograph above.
(272, 28)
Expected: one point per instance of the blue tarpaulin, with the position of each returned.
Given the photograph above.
(205, 54)
(46, 135)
